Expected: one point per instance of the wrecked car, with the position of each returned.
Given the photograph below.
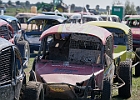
(75, 62)
(13, 85)
(123, 54)
(10, 29)
(36, 25)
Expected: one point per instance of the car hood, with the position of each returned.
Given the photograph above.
(136, 33)
(63, 72)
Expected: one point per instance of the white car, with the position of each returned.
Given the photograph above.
(113, 18)
(86, 18)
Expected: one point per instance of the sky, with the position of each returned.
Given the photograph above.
(92, 3)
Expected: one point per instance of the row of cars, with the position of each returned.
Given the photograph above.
(74, 62)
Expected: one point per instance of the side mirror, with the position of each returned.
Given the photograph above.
(23, 31)
(17, 38)
(25, 61)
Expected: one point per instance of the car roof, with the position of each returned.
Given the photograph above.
(21, 15)
(78, 28)
(54, 17)
(133, 18)
(2, 22)
(8, 18)
(110, 15)
(110, 24)
(78, 16)
(4, 43)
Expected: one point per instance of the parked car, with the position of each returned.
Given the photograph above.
(77, 17)
(55, 13)
(13, 21)
(13, 84)
(113, 18)
(36, 25)
(126, 17)
(134, 24)
(9, 33)
(123, 53)
(75, 62)
(23, 18)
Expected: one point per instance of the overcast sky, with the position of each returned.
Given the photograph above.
(92, 3)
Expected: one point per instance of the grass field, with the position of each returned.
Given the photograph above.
(135, 85)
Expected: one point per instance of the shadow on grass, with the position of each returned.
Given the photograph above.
(117, 97)
(33, 55)
(135, 76)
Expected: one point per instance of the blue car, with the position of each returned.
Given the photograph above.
(36, 25)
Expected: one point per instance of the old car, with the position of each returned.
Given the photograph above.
(78, 18)
(13, 85)
(9, 33)
(113, 18)
(75, 62)
(134, 23)
(36, 25)
(23, 18)
(123, 51)
(13, 21)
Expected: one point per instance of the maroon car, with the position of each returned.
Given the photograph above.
(75, 62)
(7, 32)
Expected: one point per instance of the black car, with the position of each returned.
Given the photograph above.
(13, 84)
(36, 25)
(12, 76)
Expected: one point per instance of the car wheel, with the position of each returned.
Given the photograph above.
(33, 91)
(137, 67)
(125, 73)
(107, 92)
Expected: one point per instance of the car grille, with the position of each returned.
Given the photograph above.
(5, 33)
(5, 66)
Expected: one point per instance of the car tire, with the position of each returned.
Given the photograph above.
(33, 91)
(24, 50)
(107, 91)
(137, 67)
(125, 73)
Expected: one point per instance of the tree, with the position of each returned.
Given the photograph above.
(72, 7)
(0, 2)
(97, 7)
(130, 8)
(138, 8)
(27, 3)
(17, 2)
(9, 2)
(38, 4)
(117, 2)
(87, 6)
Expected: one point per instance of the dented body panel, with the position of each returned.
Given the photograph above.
(72, 61)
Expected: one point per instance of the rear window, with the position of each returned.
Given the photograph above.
(120, 38)
(133, 23)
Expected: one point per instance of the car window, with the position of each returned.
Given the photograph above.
(69, 47)
(15, 25)
(100, 19)
(133, 23)
(41, 24)
(120, 38)
(114, 19)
